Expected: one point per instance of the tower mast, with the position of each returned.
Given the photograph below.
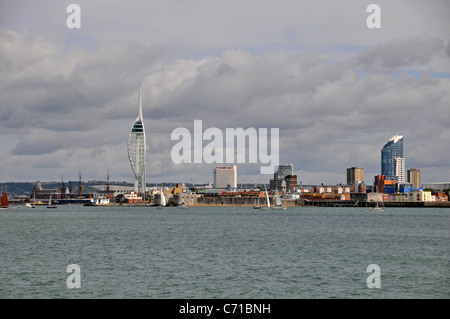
(107, 182)
(79, 184)
(137, 149)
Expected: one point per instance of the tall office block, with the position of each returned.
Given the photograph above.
(414, 177)
(400, 169)
(283, 171)
(392, 160)
(355, 175)
(225, 176)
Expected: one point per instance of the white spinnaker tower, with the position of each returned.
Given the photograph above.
(136, 150)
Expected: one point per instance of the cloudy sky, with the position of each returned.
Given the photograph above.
(336, 89)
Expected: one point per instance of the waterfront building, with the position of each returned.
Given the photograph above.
(355, 178)
(186, 198)
(404, 188)
(399, 197)
(341, 189)
(132, 198)
(367, 197)
(362, 188)
(414, 177)
(437, 186)
(392, 160)
(400, 169)
(384, 185)
(284, 173)
(225, 176)
(420, 196)
(441, 197)
(136, 150)
(62, 195)
(291, 182)
(355, 175)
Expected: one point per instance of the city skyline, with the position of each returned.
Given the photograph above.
(336, 89)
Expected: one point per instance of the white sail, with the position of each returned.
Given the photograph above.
(278, 200)
(50, 202)
(163, 198)
(267, 197)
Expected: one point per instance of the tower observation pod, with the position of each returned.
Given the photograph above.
(136, 150)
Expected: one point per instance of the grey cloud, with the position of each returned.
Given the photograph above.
(403, 51)
(320, 108)
(80, 109)
(255, 86)
(224, 69)
(70, 90)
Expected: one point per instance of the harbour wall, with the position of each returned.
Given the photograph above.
(353, 203)
(245, 201)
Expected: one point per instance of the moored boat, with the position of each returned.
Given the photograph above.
(50, 202)
(4, 201)
(377, 207)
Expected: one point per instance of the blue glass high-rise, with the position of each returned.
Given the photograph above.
(392, 150)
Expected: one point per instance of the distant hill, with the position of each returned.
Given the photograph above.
(17, 188)
(25, 188)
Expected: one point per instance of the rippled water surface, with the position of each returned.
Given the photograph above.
(224, 252)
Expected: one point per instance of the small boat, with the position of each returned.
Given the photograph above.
(182, 205)
(50, 202)
(278, 205)
(34, 201)
(257, 206)
(163, 200)
(377, 207)
(4, 201)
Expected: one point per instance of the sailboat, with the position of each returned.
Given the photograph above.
(31, 205)
(50, 202)
(183, 205)
(163, 200)
(4, 201)
(278, 202)
(257, 206)
(34, 201)
(267, 200)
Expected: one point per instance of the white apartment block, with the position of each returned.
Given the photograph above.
(400, 169)
(420, 196)
(224, 176)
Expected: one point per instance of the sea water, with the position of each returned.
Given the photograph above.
(224, 252)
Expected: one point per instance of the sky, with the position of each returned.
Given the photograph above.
(336, 89)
